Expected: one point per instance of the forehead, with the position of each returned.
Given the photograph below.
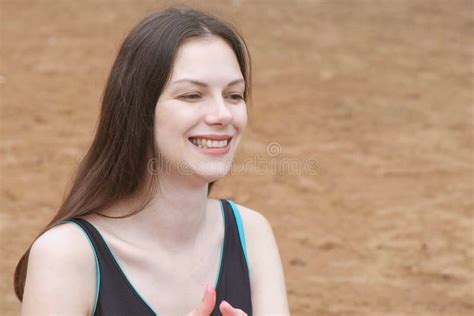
(209, 59)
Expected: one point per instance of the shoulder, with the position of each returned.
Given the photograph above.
(61, 273)
(256, 226)
(258, 234)
(264, 264)
(253, 220)
(58, 240)
(66, 242)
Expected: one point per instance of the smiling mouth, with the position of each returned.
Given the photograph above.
(210, 144)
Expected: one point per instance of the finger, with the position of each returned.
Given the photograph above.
(207, 304)
(227, 310)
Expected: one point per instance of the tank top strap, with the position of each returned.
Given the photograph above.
(104, 255)
(234, 280)
(96, 257)
(115, 294)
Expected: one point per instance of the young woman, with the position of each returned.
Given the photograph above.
(137, 233)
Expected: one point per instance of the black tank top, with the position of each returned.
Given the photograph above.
(115, 295)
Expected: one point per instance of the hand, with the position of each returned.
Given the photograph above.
(208, 303)
(227, 310)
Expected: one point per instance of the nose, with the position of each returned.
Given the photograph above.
(218, 112)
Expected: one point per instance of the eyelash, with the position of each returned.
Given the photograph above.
(239, 97)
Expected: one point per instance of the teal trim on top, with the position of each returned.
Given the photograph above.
(241, 234)
(222, 247)
(240, 227)
(97, 268)
(126, 276)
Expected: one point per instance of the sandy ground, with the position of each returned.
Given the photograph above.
(377, 93)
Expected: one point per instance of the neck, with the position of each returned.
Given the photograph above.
(177, 214)
(174, 218)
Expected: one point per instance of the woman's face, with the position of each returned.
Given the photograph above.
(188, 114)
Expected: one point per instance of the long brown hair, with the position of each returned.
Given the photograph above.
(116, 163)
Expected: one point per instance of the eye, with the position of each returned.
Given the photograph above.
(236, 96)
(193, 96)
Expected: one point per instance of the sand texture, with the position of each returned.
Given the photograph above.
(362, 113)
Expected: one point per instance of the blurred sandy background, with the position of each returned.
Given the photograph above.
(379, 93)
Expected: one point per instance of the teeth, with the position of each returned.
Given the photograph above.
(207, 143)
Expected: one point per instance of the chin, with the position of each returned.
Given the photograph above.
(212, 172)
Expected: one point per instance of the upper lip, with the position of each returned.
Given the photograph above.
(212, 136)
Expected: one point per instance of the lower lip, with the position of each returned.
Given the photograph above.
(213, 151)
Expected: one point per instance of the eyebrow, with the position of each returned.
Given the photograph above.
(203, 84)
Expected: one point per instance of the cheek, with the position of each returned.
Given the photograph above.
(240, 118)
(172, 122)
(163, 126)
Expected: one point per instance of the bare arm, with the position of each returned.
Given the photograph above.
(61, 274)
(266, 272)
